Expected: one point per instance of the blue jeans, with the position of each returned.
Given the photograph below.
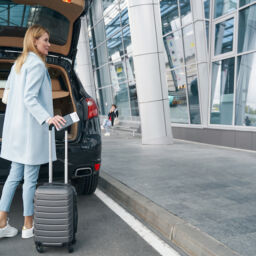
(17, 172)
(106, 124)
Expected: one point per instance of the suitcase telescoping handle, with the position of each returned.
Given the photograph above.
(50, 154)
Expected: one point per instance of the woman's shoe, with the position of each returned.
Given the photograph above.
(8, 231)
(27, 232)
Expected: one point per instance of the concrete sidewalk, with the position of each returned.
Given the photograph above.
(204, 195)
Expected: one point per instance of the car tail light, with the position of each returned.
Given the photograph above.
(96, 167)
(92, 108)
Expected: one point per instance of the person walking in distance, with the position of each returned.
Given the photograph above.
(29, 112)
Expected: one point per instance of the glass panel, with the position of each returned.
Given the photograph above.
(99, 33)
(115, 45)
(207, 32)
(224, 36)
(169, 15)
(246, 90)
(124, 17)
(244, 2)
(15, 18)
(123, 4)
(174, 49)
(121, 99)
(247, 29)
(224, 6)
(108, 5)
(193, 99)
(106, 101)
(127, 40)
(102, 55)
(103, 76)
(185, 12)
(133, 99)
(222, 91)
(176, 81)
(189, 44)
(118, 72)
(112, 24)
(207, 9)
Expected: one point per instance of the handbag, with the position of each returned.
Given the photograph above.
(116, 121)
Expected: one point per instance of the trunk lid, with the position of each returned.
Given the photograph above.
(58, 16)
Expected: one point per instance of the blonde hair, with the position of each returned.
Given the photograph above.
(33, 33)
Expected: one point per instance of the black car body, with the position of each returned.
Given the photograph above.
(63, 21)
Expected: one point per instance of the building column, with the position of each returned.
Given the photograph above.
(83, 61)
(148, 56)
(202, 58)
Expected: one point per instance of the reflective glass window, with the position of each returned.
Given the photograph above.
(176, 81)
(207, 32)
(101, 55)
(103, 76)
(115, 45)
(207, 9)
(222, 7)
(127, 40)
(109, 6)
(185, 12)
(169, 15)
(193, 99)
(16, 18)
(106, 99)
(124, 17)
(174, 49)
(121, 99)
(130, 69)
(247, 29)
(123, 4)
(99, 33)
(222, 91)
(246, 90)
(224, 33)
(244, 2)
(112, 24)
(189, 44)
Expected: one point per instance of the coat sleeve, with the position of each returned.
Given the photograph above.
(34, 80)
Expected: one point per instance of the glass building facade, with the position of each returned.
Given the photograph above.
(225, 70)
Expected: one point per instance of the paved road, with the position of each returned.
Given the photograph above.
(100, 232)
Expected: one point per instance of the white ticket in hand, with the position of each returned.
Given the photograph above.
(74, 117)
(70, 119)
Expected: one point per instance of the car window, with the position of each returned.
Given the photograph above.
(15, 18)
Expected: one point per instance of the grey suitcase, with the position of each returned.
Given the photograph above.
(55, 214)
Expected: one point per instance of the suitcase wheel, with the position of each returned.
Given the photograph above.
(39, 248)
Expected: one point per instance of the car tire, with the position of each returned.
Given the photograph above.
(86, 185)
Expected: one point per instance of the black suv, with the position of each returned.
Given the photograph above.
(62, 19)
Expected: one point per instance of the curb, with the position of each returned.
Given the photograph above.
(187, 237)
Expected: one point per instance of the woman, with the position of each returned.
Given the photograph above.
(28, 113)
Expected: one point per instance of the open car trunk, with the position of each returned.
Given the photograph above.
(61, 92)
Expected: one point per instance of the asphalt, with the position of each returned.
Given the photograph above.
(200, 197)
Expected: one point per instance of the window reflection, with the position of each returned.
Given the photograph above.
(247, 29)
(207, 9)
(244, 2)
(222, 7)
(193, 98)
(112, 24)
(222, 91)
(189, 44)
(103, 76)
(169, 15)
(246, 90)
(224, 36)
(106, 100)
(174, 49)
(176, 81)
(124, 17)
(185, 12)
(115, 45)
(127, 40)
(102, 55)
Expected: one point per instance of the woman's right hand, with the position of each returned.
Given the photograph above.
(57, 121)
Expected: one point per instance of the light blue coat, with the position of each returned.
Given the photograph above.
(25, 135)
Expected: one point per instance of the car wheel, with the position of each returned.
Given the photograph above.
(86, 185)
